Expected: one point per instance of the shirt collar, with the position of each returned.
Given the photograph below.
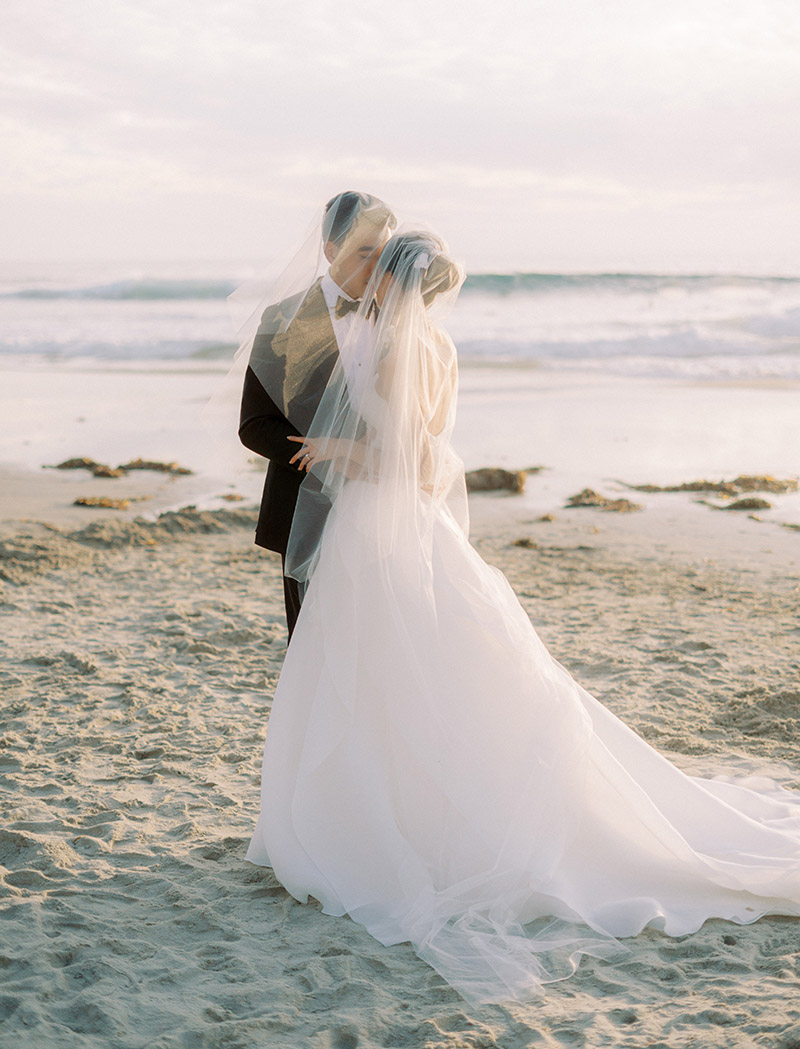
(332, 291)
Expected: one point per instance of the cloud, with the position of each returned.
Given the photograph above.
(572, 104)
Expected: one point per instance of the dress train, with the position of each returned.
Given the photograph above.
(433, 772)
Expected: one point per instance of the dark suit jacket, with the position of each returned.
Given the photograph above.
(295, 366)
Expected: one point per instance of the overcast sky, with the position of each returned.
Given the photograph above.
(535, 134)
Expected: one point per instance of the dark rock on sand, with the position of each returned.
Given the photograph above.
(77, 464)
(152, 464)
(495, 479)
(104, 470)
(102, 502)
(739, 485)
(751, 502)
(98, 469)
(589, 497)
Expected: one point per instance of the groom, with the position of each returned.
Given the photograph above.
(301, 337)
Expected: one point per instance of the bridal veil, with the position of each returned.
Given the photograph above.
(430, 769)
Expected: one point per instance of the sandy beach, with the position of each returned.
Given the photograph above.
(141, 651)
(598, 203)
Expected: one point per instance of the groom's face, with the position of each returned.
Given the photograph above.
(353, 261)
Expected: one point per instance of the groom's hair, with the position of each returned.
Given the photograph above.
(343, 211)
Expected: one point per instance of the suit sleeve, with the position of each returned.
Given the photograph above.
(263, 428)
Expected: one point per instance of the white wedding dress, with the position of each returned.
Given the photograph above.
(433, 772)
(429, 768)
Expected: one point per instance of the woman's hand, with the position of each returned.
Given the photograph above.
(308, 453)
(346, 456)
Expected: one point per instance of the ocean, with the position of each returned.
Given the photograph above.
(701, 327)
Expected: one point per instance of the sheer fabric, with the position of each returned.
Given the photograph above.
(293, 361)
(429, 768)
(386, 415)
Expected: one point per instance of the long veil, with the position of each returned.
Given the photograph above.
(396, 657)
(384, 422)
(429, 768)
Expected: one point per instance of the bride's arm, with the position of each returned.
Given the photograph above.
(434, 379)
(439, 387)
(438, 381)
(442, 402)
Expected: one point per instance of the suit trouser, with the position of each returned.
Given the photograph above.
(291, 597)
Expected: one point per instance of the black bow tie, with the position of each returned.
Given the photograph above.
(344, 306)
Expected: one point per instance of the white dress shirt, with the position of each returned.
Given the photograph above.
(352, 336)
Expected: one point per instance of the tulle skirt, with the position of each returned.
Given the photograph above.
(433, 772)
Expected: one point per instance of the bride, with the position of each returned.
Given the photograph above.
(430, 769)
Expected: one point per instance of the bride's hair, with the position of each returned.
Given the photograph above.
(419, 260)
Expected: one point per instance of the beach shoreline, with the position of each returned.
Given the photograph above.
(586, 429)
